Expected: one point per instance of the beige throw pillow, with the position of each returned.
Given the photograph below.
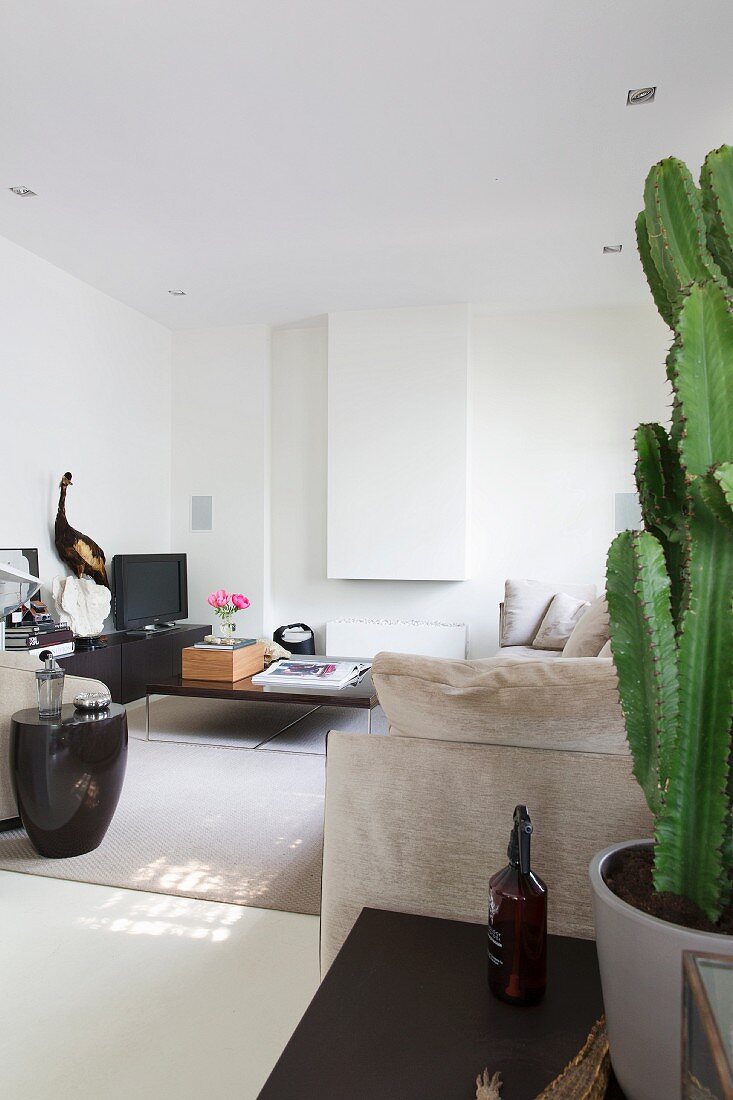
(525, 604)
(559, 622)
(606, 651)
(591, 633)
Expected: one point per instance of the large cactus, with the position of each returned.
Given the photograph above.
(670, 586)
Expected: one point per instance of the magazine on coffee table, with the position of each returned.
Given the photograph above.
(332, 674)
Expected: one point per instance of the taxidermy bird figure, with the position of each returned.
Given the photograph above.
(82, 554)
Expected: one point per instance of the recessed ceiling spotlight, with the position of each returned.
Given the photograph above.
(612, 248)
(24, 192)
(178, 293)
(640, 95)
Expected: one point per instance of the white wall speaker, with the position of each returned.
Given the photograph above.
(628, 512)
(202, 513)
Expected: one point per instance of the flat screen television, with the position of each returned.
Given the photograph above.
(150, 590)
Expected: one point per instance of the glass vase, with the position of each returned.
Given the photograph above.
(50, 682)
(227, 627)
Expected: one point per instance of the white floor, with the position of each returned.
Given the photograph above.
(112, 994)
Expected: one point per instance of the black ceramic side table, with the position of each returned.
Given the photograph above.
(68, 775)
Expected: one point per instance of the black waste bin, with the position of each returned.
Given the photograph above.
(305, 643)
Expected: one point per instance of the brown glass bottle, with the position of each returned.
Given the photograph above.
(517, 949)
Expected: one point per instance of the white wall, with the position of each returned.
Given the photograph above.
(556, 398)
(221, 448)
(85, 387)
(397, 441)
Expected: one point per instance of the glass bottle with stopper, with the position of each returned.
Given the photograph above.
(517, 949)
(50, 682)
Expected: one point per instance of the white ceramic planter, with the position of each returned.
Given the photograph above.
(641, 972)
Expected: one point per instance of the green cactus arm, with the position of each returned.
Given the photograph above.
(692, 826)
(703, 379)
(662, 496)
(676, 229)
(726, 895)
(659, 479)
(649, 473)
(716, 185)
(654, 279)
(644, 652)
(716, 489)
(723, 475)
(675, 430)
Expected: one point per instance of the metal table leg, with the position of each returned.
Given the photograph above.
(369, 720)
(147, 716)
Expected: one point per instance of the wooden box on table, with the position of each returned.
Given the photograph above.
(228, 665)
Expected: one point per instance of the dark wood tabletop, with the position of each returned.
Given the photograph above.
(405, 1012)
(361, 695)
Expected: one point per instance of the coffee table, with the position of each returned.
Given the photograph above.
(359, 696)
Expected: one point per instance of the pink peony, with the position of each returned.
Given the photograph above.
(240, 602)
(220, 598)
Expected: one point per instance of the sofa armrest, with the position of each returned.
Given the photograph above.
(419, 826)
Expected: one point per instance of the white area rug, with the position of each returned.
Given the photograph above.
(204, 814)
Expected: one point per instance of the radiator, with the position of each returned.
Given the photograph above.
(365, 637)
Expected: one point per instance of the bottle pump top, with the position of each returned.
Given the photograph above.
(49, 661)
(519, 842)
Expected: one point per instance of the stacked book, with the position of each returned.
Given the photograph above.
(58, 637)
(324, 674)
(224, 644)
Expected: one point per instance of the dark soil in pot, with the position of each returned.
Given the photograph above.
(629, 877)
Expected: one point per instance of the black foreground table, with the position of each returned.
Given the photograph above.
(405, 1013)
(68, 774)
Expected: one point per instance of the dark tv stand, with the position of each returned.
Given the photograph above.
(130, 661)
(152, 628)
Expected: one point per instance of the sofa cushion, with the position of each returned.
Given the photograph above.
(559, 621)
(21, 659)
(606, 651)
(562, 704)
(591, 633)
(526, 653)
(525, 604)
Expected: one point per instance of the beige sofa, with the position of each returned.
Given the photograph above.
(418, 821)
(17, 692)
(523, 609)
(565, 704)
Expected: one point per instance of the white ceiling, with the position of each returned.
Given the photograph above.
(282, 158)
